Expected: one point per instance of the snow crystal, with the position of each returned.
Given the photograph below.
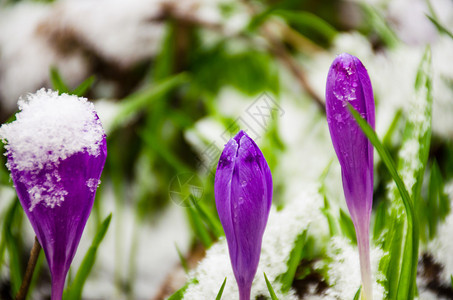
(93, 184)
(50, 128)
(48, 191)
(344, 270)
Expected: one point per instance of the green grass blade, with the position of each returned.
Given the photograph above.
(379, 220)
(57, 82)
(182, 260)
(387, 159)
(213, 223)
(309, 21)
(379, 24)
(164, 151)
(270, 289)
(198, 227)
(357, 294)
(293, 262)
(441, 28)
(392, 128)
(418, 129)
(84, 86)
(219, 294)
(331, 221)
(13, 246)
(74, 292)
(347, 227)
(391, 264)
(407, 284)
(141, 100)
(179, 294)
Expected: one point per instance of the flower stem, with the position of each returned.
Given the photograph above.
(363, 242)
(244, 292)
(57, 287)
(34, 254)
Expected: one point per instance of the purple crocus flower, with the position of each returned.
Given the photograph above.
(348, 82)
(56, 151)
(243, 194)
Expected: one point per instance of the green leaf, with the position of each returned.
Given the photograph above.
(179, 294)
(137, 102)
(379, 220)
(293, 262)
(451, 280)
(387, 159)
(57, 82)
(388, 136)
(330, 218)
(164, 152)
(308, 24)
(182, 259)
(420, 129)
(347, 227)
(260, 18)
(198, 227)
(357, 294)
(209, 219)
(164, 63)
(74, 291)
(407, 283)
(84, 86)
(219, 294)
(378, 24)
(270, 289)
(391, 264)
(441, 28)
(251, 72)
(13, 246)
(437, 206)
(8, 217)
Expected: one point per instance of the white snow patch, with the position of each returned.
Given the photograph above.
(49, 128)
(344, 270)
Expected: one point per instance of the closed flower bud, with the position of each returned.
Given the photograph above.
(348, 83)
(243, 194)
(56, 151)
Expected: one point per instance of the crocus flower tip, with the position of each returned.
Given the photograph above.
(243, 193)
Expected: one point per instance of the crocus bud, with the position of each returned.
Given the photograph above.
(243, 194)
(56, 151)
(348, 82)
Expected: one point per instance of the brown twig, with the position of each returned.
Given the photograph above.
(34, 254)
(279, 50)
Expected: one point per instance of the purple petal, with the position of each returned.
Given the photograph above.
(243, 192)
(348, 82)
(60, 228)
